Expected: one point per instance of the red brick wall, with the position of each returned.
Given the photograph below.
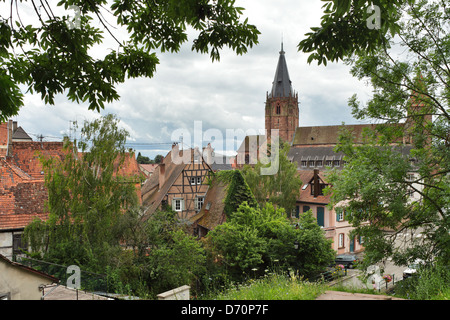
(287, 121)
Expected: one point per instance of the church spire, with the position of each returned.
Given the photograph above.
(281, 85)
(281, 109)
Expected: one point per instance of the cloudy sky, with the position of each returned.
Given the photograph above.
(189, 91)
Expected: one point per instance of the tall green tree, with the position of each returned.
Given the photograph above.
(281, 188)
(55, 55)
(411, 95)
(87, 198)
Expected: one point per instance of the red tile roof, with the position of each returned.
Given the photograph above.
(22, 190)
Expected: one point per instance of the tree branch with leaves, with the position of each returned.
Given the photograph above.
(55, 54)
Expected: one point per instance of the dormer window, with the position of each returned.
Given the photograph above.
(321, 187)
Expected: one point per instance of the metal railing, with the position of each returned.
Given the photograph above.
(386, 286)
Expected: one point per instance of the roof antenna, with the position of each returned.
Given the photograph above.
(282, 51)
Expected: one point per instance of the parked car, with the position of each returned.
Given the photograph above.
(412, 268)
(347, 260)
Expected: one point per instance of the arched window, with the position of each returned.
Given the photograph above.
(278, 109)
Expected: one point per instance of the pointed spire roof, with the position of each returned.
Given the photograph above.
(281, 85)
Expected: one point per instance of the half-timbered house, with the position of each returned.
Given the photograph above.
(180, 182)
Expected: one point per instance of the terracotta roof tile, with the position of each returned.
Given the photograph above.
(22, 190)
(212, 213)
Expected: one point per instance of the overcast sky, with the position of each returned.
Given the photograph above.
(225, 95)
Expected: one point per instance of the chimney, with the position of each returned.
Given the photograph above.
(10, 135)
(208, 154)
(316, 183)
(162, 174)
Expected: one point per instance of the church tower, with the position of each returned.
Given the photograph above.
(282, 111)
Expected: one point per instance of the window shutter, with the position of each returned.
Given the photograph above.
(321, 216)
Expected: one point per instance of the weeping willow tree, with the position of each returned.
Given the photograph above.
(88, 198)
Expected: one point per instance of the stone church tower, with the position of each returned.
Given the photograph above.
(282, 111)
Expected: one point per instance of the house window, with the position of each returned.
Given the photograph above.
(329, 163)
(278, 109)
(319, 163)
(304, 163)
(336, 163)
(410, 178)
(311, 163)
(341, 240)
(196, 180)
(199, 202)
(339, 214)
(178, 204)
(18, 244)
(305, 208)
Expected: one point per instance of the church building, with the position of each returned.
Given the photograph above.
(312, 149)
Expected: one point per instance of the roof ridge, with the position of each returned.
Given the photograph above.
(22, 174)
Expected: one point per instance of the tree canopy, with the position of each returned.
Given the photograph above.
(55, 54)
(350, 27)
